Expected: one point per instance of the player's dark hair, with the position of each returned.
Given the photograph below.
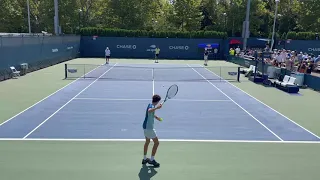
(156, 98)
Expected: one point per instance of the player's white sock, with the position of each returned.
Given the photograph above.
(152, 158)
(144, 157)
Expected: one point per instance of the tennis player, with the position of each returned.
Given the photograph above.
(108, 53)
(149, 131)
(157, 52)
(206, 54)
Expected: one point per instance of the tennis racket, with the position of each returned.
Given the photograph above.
(172, 91)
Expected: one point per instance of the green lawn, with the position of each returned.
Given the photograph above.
(38, 160)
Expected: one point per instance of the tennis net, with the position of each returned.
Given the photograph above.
(149, 73)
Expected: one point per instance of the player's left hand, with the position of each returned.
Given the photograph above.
(159, 118)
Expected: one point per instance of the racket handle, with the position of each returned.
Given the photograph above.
(163, 102)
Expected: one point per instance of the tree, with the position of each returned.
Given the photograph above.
(133, 14)
(186, 14)
(162, 15)
(13, 16)
(212, 12)
(309, 15)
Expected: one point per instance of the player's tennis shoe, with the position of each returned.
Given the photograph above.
(145, 161)
(154, 163)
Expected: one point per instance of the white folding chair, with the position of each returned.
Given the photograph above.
(250, 69)
(15, 73)
(285, 80)
(290, 82)
(253, 69)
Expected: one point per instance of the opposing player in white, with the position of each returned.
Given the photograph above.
(206, 54)
(108, 54)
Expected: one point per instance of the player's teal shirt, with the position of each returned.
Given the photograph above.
(148, 122)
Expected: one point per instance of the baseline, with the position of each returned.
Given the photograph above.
(164, 140)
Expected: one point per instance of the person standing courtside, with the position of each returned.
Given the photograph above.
(157, 52)
(108, 54)
(206, 54)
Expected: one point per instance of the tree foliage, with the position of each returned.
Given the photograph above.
(164, 15)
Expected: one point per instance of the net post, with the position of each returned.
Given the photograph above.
(238, 76)
(65, 71)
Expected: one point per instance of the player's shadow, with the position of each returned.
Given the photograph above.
(147, 172)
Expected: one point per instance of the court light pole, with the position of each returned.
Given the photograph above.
(29, 23)
(246, 30)
(56, 17)
(225, 21)
(79, 11)
(274, 24)
(154, 23)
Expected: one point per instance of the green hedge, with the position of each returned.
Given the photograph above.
(301, 35)
(152, 34)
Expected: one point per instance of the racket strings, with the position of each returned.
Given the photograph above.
(172, 91)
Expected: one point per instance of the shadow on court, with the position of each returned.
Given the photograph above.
(147, 172)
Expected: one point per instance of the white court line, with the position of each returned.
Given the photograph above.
(67, 102)
(48, 96)
(163, 140)
(266, 105)
(238, 105)
(186, 100)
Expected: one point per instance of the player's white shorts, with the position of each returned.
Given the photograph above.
(205, 57)
(150, 133)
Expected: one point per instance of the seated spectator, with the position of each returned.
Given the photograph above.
(317, 59)
(313, 58)
(305, 56)
(290, 63)
(300, 57)
(242, 54)
(231, 52)
(302, 67)
(310, 67)
(279, 57)
(296, 59)
(238, 51)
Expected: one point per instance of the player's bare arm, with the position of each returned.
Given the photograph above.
(154, 109)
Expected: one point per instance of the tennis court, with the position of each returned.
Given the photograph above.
(109, 104)
(206, 108)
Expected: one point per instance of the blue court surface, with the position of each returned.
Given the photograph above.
(203, 109)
